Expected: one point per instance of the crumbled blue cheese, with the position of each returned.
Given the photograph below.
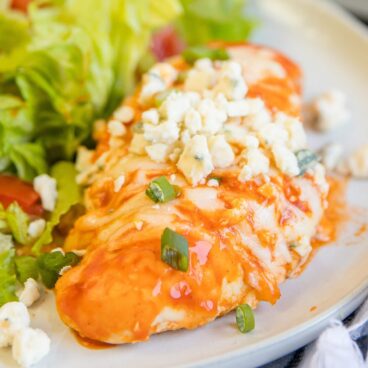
(201, 77)
(124, 114)
(175, 106)
(30, 346)
(165, 132)
(30, 293)
(238, 108)
(150, 116)
(138, 144)
(158, 152)
(193, 121)
(256, 163)
(158, 78)
(231, 82)
(319, 173)
(221, 152)
(296, 137)
(116, 128)
(331, 155)
(357, 163)
(195, 162)
(285, 160)
(213, 118)
(208, 121)
(36, 228)
(273, 133)
(45, 186)
(329, 110)
(14, 317)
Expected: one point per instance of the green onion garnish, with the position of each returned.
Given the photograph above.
(245, 318)
(50, 265)
(174, 250)
(194, 53)
(306, 160)
(160, 190)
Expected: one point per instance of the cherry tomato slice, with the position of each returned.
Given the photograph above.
(21, 5)
(166, 43)
(13, 189)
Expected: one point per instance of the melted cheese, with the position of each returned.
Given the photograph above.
(244, 237)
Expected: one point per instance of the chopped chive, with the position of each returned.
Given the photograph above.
(160, 190)
(245, 318)
(174, 250)
(50, 265)
(306, 160)
(194, 53)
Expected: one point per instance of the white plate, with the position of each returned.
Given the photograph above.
(360, 7)
(333, 50)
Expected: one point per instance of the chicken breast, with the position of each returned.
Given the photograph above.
(227, 136)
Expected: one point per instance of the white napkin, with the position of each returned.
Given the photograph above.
(336, 348)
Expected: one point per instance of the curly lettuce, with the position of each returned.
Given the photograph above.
(62, 67)
(203, 21)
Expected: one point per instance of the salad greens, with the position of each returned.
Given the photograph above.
(64, 65)
(68, 195)
(25, 268)
(50, 265)
(7, 272)
(207, 20)
(14, 221)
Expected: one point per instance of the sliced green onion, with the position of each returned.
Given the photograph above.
(50, 265)
(245, 318)
(174, 250)
(194, 53)
(306, 160)
(25, 268)
(160, 190)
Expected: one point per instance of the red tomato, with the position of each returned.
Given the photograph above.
(166, 43)
(21, 5)
(13, 189)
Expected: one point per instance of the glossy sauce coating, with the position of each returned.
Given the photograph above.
(240, 236)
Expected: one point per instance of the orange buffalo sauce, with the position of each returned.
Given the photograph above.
(336, 214)
(91, 344)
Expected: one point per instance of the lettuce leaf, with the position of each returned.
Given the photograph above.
(14, 221)
(25, 268)
(68, 63)
(207, 20)
(68, 195)
(8, 278)
(18, 222)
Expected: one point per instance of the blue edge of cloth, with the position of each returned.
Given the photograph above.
(293, 359)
